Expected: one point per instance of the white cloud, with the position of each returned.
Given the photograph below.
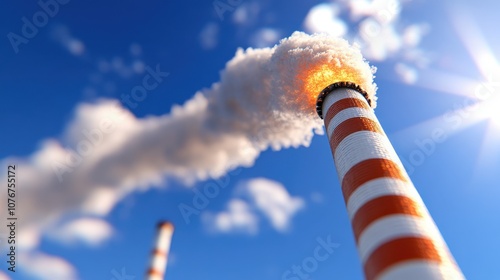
(412, 35)
(100, 201)
(90, 231)
(62, 35)
(103, 79)
(253, 198)
(406, 72)
(384, 11)
(254, 25)
(47, 267)
(323, 18)
(28, 238)
(138, 66)
(272, 199)
(247, 13)
(265, 37)
(117, 65)
(208, 36)
(418, 57)
(4, 276)
(237, 218)
(379, 41)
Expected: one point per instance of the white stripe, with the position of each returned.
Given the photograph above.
(360, 146)
(395, 226)
(349, 113)
(339, 94)
(419, 270)
(159, 264)
(164, 239)
(377, 188)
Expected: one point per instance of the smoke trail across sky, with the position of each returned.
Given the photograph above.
(264, 99)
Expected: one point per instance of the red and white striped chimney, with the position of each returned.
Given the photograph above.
(159, 255)
(395, 235)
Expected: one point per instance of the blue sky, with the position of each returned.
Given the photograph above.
(432, 58)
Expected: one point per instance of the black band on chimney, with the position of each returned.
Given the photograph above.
(324, 93)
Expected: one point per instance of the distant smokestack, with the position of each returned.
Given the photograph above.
(395, 235)
(159, 256)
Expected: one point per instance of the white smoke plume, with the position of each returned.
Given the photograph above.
(261, 102)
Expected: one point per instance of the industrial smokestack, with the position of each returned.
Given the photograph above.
(395, 235)
(159, 255)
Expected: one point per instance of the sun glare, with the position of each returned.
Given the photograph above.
(482, 98)
(492, 110)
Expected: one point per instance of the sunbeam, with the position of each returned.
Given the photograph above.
(474, 41)
(481, 98)
(444, 82)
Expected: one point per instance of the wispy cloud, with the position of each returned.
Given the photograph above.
(255, 198)
(247, 14)
(407, 73)
(62, 35)
(377, 28)
(47, 267)
(209, 36)
(4, 276)
(90, 231)
(238, 217)
(265, 37)
(272, 199)
(29, 238)
(110, 72)
(254, 24)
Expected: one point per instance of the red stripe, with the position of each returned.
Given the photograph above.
(400, 250)
(368, 170)
(342, 105)
(154, 272)
(351, 126)
(381, 207)
(157, 252)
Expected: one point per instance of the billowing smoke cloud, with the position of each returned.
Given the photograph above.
(263, 100)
